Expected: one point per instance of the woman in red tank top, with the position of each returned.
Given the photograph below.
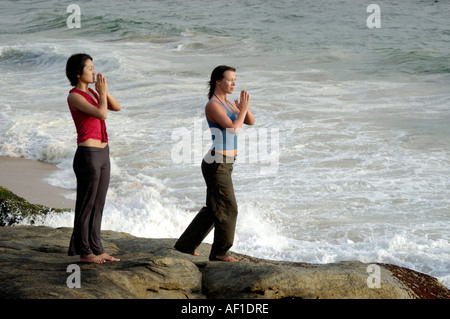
(91, 163)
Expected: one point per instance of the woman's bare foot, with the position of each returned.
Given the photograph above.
(187, 252)
(91, 258)
(107, 257)
(230, 259)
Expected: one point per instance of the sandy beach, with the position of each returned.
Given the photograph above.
(26, 178)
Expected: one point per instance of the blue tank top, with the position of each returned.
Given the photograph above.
(222, 139)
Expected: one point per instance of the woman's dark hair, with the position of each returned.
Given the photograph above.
(75, 65)
(216, 75)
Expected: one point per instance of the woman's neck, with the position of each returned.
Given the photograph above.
(221, 96)
(82, 86)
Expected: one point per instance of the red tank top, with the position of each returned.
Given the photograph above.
(88, 126)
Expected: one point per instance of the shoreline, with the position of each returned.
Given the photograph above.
(26, 178)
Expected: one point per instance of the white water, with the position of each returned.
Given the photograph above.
(359, 168)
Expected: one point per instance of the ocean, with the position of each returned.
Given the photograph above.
(349, 156)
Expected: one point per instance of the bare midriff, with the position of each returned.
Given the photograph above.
(93, 143)
(229, 153)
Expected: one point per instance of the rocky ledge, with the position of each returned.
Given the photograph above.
(34, 265)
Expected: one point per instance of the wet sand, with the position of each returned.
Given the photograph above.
(26, 178)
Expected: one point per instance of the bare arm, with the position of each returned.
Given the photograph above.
(250, 118)
(113, 104)
(79, 104)
(218, 114)
(106, 101)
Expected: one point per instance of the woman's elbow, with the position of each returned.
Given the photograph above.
(250, 121)
(102, 116)
(115, 107)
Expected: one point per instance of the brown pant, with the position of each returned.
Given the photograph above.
(220, 211)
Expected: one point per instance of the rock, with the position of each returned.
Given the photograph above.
(34, 265)
(14, 209)
(34, 262)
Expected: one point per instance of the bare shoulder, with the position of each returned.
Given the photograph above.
(214, 111)
(213, 106)
(73, 97)
(77, 102)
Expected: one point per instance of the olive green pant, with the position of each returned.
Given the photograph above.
(219, 213)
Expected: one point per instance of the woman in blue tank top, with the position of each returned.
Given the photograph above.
(224, 120)
(221, 114)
